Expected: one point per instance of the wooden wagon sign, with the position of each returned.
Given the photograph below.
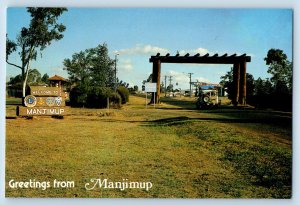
(43, 101)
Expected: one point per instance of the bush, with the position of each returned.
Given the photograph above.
(95, 97)
(281, 101)
(124, 93)
(77, 97)
(115, 100)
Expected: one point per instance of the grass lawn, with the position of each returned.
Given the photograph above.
(185, 153)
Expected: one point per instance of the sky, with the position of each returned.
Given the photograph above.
(137, 33)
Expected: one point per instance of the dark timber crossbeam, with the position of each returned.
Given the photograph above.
(206, 59)
(238, 62)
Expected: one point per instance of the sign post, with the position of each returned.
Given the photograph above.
(151, 88)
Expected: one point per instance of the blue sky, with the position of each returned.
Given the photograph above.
(138, 33)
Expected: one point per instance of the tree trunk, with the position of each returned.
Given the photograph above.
(25, 83)
(26, 74)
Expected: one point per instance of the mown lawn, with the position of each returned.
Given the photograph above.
(221, 153)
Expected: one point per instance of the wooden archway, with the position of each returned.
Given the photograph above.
(238, 62)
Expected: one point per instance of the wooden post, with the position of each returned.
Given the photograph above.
(156, 79)
(236, 83)
(243, 82)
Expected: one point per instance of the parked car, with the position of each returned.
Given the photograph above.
(207, 99)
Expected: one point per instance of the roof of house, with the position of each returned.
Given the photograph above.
(57, 78)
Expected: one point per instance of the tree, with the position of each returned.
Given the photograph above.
(45, 78)
(276, 56)
(91, 73)
(149, 79)
(34, 77)
(281, 70)
(249, 85)
(15, 81)
(122, 83)
(262, 87)
(42, 30)
(92, 67)
(227, 82)
(170, 88)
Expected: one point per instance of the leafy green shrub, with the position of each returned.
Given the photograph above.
(94, 97)
(77, 97)
(115, 100)
(97, 97)
(124, 93)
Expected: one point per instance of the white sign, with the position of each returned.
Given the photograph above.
(150, 87)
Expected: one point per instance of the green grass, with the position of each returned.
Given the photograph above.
(222, 153)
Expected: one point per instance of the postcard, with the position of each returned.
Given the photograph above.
(149, 103)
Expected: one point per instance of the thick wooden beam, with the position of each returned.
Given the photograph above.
(156, 70)
(243, 81)
(236, 83)
(215, 59)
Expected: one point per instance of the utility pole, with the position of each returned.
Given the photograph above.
(190, 74)
(166, 85)
(170, 79)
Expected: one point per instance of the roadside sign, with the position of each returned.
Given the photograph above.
(43, 101)
(150, 87)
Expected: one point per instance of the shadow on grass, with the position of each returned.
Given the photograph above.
(278, 121)
(232, 117)
(180, 103)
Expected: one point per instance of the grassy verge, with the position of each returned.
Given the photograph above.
(184, 153)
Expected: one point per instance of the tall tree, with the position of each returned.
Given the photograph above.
(249, 85)
(92, 67)
(227, 82)
(42, 30)
(34, 77)
(281, 69)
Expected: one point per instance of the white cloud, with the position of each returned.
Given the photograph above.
(204, 80)
(182, 78)
(202, 51)
(141, 49)
(126, 65)
(177, 77)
